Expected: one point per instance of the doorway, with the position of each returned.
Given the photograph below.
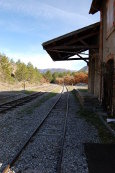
(108, 86)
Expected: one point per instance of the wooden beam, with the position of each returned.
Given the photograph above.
(66, 57)
(68, 52)
(79, 56)
(75, 47)
(76, 39)
(70, 59)
(63, 51)
(82, 58)
(83, 42)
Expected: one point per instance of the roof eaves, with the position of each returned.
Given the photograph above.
(63, 53)
(71, 34)
(95, 6)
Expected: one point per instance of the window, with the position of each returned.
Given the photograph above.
(110, 16)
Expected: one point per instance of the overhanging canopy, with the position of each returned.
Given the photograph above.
(95, 6)
(73, 43)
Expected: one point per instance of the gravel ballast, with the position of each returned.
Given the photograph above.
(78, 132)
(17, 125)
(42, 154)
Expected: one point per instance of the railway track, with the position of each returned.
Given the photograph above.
(18, 102)
(57, 106)
(21, 101)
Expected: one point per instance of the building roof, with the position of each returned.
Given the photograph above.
(95, 6)
(73, 43)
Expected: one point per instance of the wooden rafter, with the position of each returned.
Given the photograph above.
(65, 51)
(83, 42)
(70, 59)
(76, 39)
(82, 58)
(62, 47)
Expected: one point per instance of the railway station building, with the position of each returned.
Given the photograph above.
(99, 41)
(106, 51)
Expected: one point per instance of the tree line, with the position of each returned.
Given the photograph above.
(69, 78)
(11, 72)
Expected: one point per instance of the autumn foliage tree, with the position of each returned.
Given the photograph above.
(73, 79)
(81, 78)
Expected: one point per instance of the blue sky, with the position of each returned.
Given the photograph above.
(26, 24)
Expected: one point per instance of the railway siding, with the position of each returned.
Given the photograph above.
(18, 124)
(9, 105)
(44, 150)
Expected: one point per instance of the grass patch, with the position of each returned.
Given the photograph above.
(93, 119)
(28, 92)
(41, 101)
(83, 90)
(70, 88)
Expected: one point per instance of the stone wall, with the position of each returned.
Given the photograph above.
(108, 48)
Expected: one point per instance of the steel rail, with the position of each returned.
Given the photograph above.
(13, 104)
(12, 162)
(18, 102)
(59, 165)
(25, 97)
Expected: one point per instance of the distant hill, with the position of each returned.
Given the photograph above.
(60, 70)
(52, 70)
(84, 69)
